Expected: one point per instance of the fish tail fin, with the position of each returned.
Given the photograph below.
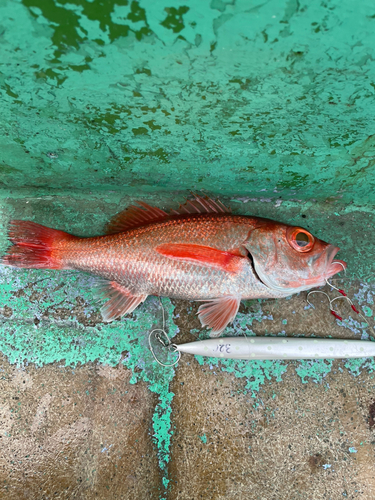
(35, 246)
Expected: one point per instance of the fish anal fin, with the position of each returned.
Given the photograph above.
(204, 255)
(201, 205)
(135, 216)
(217, 313)
(121, 300)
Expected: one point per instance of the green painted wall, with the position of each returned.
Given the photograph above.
(227, 96)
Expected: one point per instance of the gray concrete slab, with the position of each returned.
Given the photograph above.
(75, 433)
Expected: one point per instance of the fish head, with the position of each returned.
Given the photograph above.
(289, 258)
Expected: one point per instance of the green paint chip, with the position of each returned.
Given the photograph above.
(367, 311)
(203, 438)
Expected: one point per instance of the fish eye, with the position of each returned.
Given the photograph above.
(300, 239)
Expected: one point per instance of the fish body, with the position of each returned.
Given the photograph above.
(199, 252)
(139, 259)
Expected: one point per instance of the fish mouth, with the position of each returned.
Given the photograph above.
(335, 265)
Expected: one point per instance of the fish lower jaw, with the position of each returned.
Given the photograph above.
(291, 287)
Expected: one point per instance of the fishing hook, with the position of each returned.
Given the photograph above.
(165, 342)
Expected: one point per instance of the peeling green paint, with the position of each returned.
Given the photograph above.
(255, 372)
(315, 369)
(31, 298)
(221, 96)
(203, 439)
(367, 311)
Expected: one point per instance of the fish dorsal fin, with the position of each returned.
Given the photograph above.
(201, 255)
(121, 300)
(201, 205)
(217, 313)
(135, 216)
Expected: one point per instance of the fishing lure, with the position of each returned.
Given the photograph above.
(269, 348)
(279, 348)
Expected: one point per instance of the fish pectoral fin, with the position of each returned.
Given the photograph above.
(121, 300)
(217, 313)
(203, 255)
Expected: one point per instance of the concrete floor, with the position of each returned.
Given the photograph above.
(86, 432)
(86, 413)
(81, 433)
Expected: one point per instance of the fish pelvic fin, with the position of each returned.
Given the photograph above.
(35, 246)
(218, 313)
(121, 300)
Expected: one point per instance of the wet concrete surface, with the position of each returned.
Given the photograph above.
(75, 423)
(301, 441)
(75, 433)
(86, 432)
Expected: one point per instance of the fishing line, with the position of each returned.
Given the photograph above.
(164, 342)
(333, 286)
(341, 264)
(343, 296)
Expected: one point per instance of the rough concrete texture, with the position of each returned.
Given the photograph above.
(85, 432)
(204, 429)
(269, 105)
(298, 441)
(309, 435)
(75, 433)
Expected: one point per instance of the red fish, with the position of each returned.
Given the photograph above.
(200, 252)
